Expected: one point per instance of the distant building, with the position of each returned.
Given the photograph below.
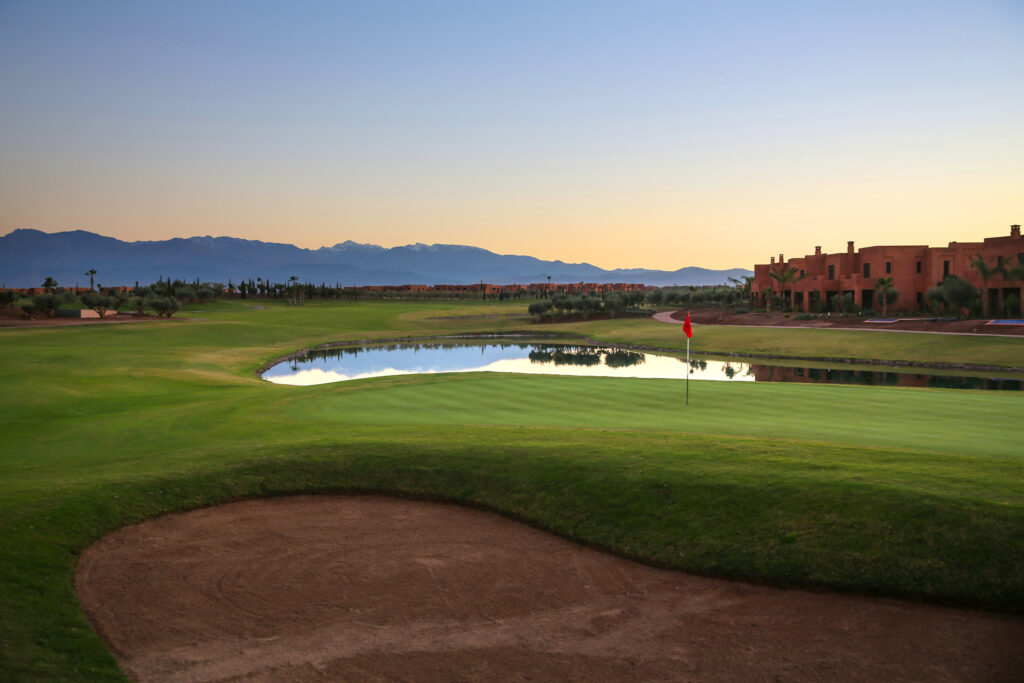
(914, 269)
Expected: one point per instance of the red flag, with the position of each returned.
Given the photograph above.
(686, 327)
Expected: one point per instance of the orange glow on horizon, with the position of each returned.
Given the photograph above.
(619, 232)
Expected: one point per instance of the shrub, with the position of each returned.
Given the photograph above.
(8, 297)
(955, 294)
(539, 308)
(101, 303)
(138, 305)
(164, 305)
(47, 304)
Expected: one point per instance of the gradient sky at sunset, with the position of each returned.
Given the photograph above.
(647, 134)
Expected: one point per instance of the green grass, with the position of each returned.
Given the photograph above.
(805, 342)
(850, 415)
(889, 491)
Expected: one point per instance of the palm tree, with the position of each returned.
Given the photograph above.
(49, 284)
(986, 271)
(780, 277)
(91, 273)
(768, 291)
(744, 286)
(787, 276)
(884, 287)
(291, 285)
(1016, 274)
(1003, 267)
(795, 277)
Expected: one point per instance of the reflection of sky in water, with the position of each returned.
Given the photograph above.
(337, 366)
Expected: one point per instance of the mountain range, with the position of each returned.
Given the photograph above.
(27, 257)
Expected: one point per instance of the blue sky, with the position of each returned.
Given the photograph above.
(649, 134)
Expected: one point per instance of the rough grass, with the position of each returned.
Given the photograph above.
(902, 492)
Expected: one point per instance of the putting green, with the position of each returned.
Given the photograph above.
(939, 421)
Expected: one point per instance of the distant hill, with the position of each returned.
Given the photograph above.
(27, 257)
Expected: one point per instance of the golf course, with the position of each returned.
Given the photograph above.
(907, 493)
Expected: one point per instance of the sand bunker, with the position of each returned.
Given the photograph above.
(369, 588)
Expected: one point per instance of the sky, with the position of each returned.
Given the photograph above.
(624, 134)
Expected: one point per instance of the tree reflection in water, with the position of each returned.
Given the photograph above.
(585, 356)
(777, 373)
(623, 359)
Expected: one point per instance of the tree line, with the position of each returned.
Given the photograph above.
(735, 297)
(163, 297)
(586, 305)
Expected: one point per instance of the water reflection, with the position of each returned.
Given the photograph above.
(586, 356)
(775, 373)
(358, 362)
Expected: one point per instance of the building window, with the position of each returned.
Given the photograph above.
(945, 268)
(867, 270)
(802, 270)
(832, 272)
(919, 298)
(888, 267)
(919, 265)
(1020, 259)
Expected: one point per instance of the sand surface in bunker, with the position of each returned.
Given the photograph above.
(379, 589)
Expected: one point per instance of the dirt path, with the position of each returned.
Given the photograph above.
(666, 317)
(372, 588)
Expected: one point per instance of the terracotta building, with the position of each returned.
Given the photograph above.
(914, 269)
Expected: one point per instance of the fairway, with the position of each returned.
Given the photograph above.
(883, 491)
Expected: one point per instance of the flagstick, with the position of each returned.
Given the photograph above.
(687, 371)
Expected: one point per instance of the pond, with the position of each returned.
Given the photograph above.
(539, 358)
